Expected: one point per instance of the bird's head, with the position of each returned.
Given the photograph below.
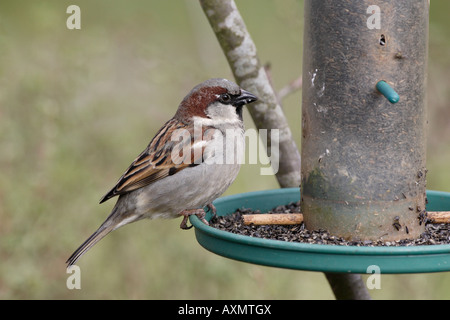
(215, 99)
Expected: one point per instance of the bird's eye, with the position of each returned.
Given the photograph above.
(225, 98)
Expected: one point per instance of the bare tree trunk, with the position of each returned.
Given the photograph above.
(267, 113)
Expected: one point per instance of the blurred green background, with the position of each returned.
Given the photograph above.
(77, 106)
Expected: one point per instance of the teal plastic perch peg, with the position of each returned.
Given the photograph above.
(387, 91)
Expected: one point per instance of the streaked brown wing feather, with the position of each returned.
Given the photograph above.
(155, 162)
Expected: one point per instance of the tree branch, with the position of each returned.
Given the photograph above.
(267, 113)
(290, 88)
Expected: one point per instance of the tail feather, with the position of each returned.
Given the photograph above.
(101, 232)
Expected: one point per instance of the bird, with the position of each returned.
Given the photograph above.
(189, 163)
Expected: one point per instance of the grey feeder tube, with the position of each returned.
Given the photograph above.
(364, 118)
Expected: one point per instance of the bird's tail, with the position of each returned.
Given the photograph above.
(101, 232)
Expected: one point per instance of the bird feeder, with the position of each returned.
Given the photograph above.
(364, 119)
(363, 146)
(317, 257)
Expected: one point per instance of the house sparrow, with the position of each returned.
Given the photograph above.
(190, 162)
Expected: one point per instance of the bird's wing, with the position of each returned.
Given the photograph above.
(174, 148)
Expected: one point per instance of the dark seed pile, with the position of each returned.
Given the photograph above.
(434, 233)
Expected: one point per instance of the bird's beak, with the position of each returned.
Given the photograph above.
(245, 98)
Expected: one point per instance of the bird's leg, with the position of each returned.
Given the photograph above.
(212, 208)
(200, 213)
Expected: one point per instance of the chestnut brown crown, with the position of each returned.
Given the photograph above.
(211, 91)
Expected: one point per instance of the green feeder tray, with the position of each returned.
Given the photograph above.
(317, 257)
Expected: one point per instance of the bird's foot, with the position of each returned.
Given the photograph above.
(211, 208)
(200, 213)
